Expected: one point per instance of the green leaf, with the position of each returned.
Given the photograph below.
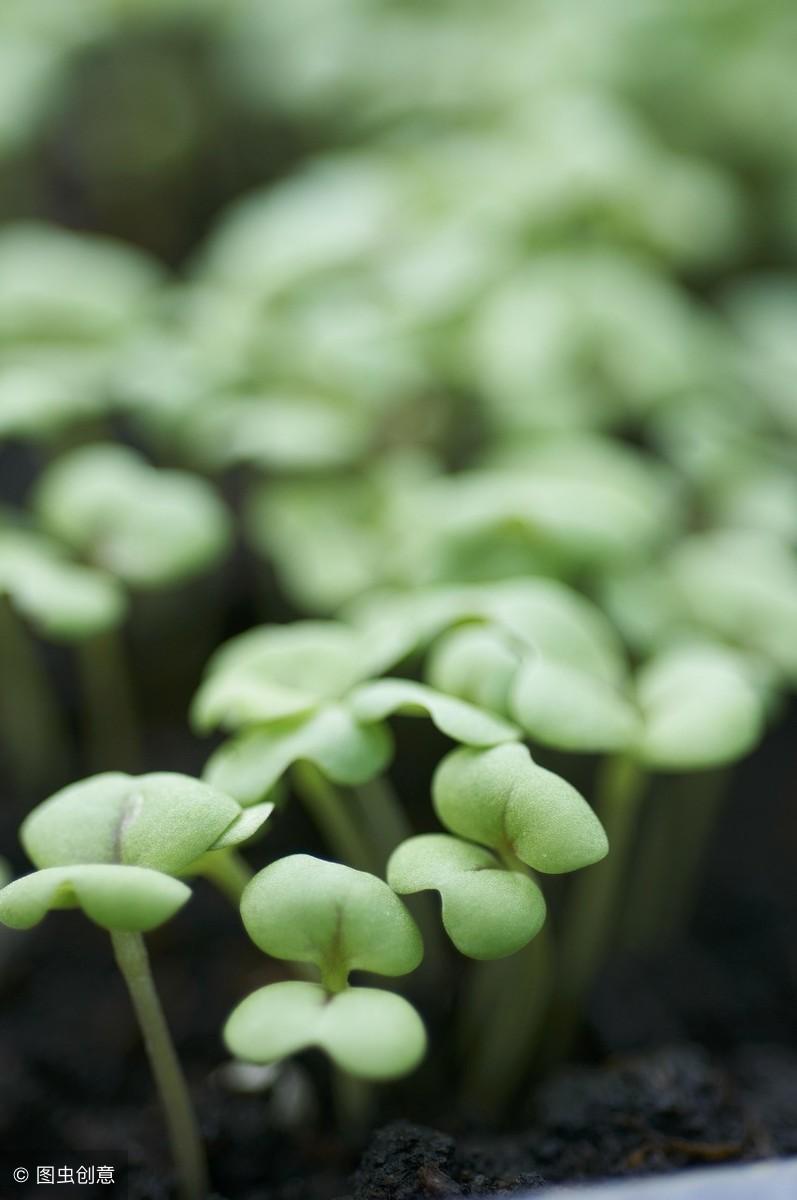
(62, 600)
(569, 709)
(249, 765)
(342, 920)
(56, 284)
(457, 719)
(701, 708)
(488, 911)
(121, 898)
(150, 527)
(743, 587)
(476, 662)
(502, 799)
(369, 1033)
(279, 671)
(249, 822)
(163, 821)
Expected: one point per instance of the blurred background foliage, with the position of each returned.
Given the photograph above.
(429, 293)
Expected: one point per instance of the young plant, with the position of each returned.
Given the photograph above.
(506, 818)
(338, 920)
(294, 695)
(112, 846)
(152, 530)
(62, 601)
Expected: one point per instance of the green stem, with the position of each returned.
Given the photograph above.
(383, 817)
(591, 908)
(189, 1155)
(30, 722)
(228, 871)
(668, 868)
(109, 719)
(506, 1018)
(354, 1102)
(332, 815)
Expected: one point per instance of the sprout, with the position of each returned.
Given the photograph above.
(518, 815)
(61, 599)
(110, 846)
(339, 920)
(151, 528)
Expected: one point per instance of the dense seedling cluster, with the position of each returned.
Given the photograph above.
(450, 483)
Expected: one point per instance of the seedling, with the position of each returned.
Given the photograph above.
(339, 920)
(150, 529)
(62, 601)
(111, 846)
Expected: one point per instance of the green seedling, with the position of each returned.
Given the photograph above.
(43, 590)
(294, 693)
(152, 530)
(112, 846)
(67, 301)
(338, 920)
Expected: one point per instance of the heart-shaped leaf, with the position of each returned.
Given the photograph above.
(477, 662)
(456, 718)
(346, 751)
(132, 899)
(150, 527)
(743, 587)
(283, 671)
(62, 600)
(342, 920)
(370, 1033)
(502, 799)
(487, 910)
(56, 284)
(163, 821)
(569, 709)
(701, 708)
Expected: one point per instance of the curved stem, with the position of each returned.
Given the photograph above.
(591, 908)
(189, 1156)
(329, 810)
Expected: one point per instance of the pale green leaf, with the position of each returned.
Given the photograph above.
(278, 671)
(561, 706)
(62, 600)
(369, 1033)
(120, 898)
(456, 718)
(487, 910)
(502, 799)
(150, 527)
(164, 821)
(345, 750)
(701, 708)
(308, 910)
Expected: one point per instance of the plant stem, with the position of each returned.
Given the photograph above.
(329, 810)
(667, 871)
(109, 720)
(228, 871)
(383, 817)
(189, 1156)
(505, 1024)
(30, 723)
(591, 907)
(354, 1102)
